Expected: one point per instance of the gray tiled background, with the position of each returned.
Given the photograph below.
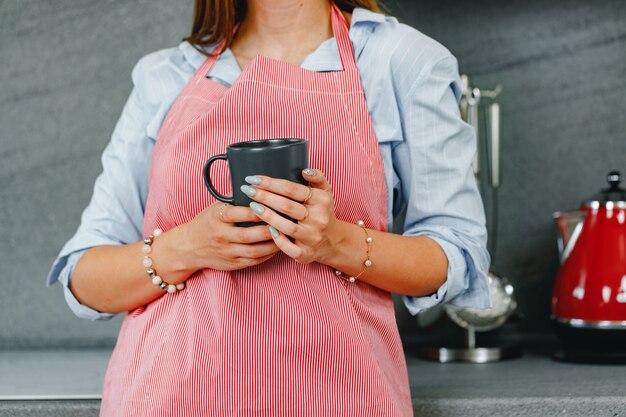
(65, 74)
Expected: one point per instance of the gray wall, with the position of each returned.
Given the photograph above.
(65, 74)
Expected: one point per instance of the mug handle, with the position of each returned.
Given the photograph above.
(209, 184)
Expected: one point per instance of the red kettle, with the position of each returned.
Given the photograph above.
(589, 295)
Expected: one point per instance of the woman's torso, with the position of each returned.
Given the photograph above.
(252, 340)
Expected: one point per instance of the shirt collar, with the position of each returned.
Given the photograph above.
(324, 58)
(360, 15)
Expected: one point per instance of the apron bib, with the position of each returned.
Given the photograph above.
(280, 338)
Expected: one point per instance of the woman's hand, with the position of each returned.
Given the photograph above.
(213, 240)
(317, 235)
(314, 232)
(113, 279)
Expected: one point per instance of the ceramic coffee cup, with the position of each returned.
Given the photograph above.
(277, 158)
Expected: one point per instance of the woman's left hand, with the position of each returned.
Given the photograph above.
(312, 207)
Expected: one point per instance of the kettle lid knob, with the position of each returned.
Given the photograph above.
(614, 178)
(613, 194)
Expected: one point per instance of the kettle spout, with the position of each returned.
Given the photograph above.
(569, 227)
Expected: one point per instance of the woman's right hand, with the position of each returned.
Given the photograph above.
(112, 278)
(213, 240)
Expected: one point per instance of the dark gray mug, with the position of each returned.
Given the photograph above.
(277, 158)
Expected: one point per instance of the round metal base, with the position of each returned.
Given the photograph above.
(470, 355)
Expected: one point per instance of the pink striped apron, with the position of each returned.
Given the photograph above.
(280, 338)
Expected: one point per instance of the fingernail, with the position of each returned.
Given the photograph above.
(253, 179)
(310, 172)
(257, 208)
(274, 232)
(247, 190)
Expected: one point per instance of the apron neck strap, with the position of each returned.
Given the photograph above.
(342, 37)
(208, 63)
(210, 60)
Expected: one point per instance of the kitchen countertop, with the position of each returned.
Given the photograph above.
(533, 385)
(68, 382)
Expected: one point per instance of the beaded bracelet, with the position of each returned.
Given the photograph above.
(147, 263)
(367, 263)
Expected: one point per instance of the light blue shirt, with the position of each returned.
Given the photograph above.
(411, 85)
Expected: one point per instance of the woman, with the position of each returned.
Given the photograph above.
(294, 318)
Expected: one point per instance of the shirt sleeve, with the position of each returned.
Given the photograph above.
(437, 184)
(115, 213)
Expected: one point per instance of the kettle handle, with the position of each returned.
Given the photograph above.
(569, 227)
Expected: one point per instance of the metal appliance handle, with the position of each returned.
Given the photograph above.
(496, 152)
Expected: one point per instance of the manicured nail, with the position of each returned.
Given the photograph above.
(310, 172)
(247, 190)
(253, 179)
(257, 208)
(274, 232)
